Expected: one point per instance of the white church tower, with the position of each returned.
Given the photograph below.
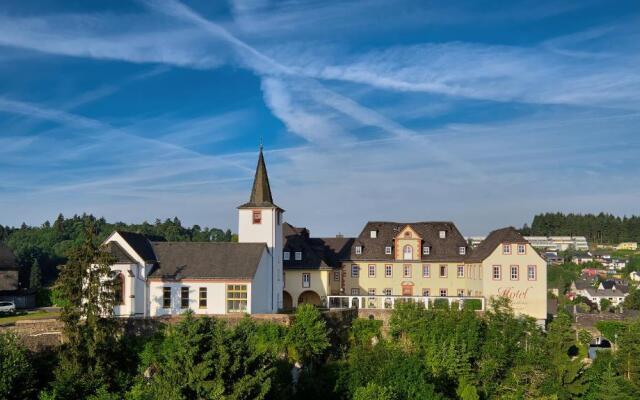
(260, 221)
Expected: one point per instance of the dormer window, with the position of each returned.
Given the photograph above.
(426, 250)
(463, 250)
(387, 250)
(408, 252)
(286, 256)
(257, 216)
(298, 255)
(443, 234)
(374, 234)
(358, 250)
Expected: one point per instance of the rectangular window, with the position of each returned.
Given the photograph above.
(515, 272)
(306, 280)
(336, 275)
(531, 273)
(522, 249)
(460, 271)
(355, 291)
(460, 292)
(426, 292)
(358, 249)
(497, 272)
(166, 297)
(236, 298)
(443, 234)
(506, 249)
(202, 300)
(388, 271)
(372, 292)
(463, 250)
(184, 297)
(406, 271)
(443, 271)
(355, 271)
(374, 234)
(426, 250)
(387, 250)
(426, 271)
(443, 292)
(286, 256)
(372, 271)
(298, 255)
(387, 292)
(257, 216)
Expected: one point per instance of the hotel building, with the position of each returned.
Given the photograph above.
(278, 266)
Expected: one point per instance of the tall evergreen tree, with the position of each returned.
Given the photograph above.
(35, 276)
(88, 357)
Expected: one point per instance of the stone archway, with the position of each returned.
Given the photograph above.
(287, 301)
(309, 297)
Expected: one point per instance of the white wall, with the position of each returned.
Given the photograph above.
(261, 287)
(216, 296)
(269, 231)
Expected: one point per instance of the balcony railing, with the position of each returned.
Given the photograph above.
(389, 302)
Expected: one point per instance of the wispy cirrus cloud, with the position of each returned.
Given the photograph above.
(142, 40)
(445, 127)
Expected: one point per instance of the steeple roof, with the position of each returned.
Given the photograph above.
(261, 191)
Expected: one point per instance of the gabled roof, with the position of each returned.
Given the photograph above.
(179, 260)
(261, 191)
(140, 244)
(226, 260)
(120, 255)
(317, 253)
(447, 249)
(495, 238)
(7, 258)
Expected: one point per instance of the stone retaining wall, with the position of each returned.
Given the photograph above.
(37, 334)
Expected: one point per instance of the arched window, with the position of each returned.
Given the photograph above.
(119, 289)
(408, 252)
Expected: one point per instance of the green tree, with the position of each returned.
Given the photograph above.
(584, 338)
(611, 330)
(35, 276)
(605, 304)
(16, 373)
(200, 358)
(89, 357)
(632, 301)
(373, 391)
(629, 352)
(307, 337)
(564, 370)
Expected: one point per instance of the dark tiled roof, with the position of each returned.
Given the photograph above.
(447, 249)
(7, 258)
(317, 253)
(178, 260)
(120, 255)
(495, 238)
(582, 284)
(261, 191)
(140, 244)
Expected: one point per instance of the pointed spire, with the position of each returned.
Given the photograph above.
(261, 191)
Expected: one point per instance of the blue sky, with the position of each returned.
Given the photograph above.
(483, 114)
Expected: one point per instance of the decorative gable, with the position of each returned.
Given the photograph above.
(408, 244)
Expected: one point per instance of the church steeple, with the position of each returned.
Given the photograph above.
(261, 191)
